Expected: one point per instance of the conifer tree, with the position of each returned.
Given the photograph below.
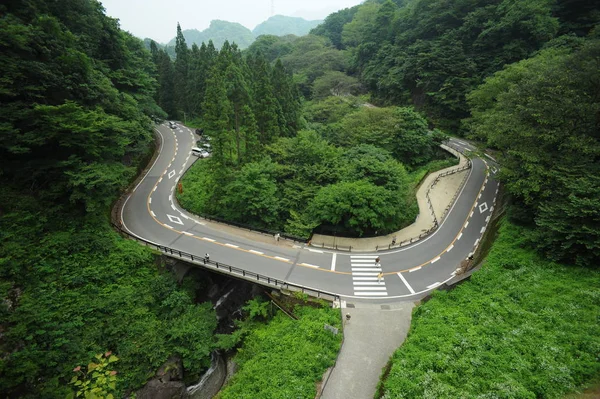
(267, 110)
(166, 94)
(181, 72)
(217, 109)
(288, 97)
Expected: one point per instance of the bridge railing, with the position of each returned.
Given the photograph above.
(231, 270)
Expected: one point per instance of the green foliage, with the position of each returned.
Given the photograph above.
(335, 83)
(98, 381)
(333, 25)
(75, 112)
(305, 183)
(542, 114)
(359, 207)
(252, 196)
(401, 131)
(76, 287)
(77, 94)
(285, 358)
(522, 327)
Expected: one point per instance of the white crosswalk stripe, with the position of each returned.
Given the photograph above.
(364, 276)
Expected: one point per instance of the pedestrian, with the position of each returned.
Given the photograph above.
(277, 237)
(394, 240)
(206, 257)
(379, 277)
(377, 260)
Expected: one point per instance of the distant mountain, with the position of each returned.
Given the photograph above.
(219, 31)
(280, 25)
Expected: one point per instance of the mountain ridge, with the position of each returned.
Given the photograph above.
(219, 31)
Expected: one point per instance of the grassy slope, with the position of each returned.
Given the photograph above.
(286, 358)
(523, 327)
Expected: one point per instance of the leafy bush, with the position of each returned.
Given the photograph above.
(522, 327)
(286, 358)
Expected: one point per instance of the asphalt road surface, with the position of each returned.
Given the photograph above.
(151, 213)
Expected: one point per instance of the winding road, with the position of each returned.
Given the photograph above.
(151, 213)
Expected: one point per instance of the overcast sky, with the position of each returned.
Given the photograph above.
(157, 19)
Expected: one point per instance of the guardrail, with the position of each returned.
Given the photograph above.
(230, 270)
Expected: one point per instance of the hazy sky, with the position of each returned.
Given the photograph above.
(157, 19)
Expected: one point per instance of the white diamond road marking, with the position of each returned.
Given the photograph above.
(483, 207)
(171, 174)
(175, 219)
(365, 276)
(494, 170)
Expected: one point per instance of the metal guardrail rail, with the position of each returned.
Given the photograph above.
(230, 270)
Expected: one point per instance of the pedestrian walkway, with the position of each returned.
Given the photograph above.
(371, 336)
(365, 272)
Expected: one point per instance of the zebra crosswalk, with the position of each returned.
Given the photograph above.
(364, 276)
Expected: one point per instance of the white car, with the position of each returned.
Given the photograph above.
(200, 152)
(172, 125)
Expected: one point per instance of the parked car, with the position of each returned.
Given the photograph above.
(200, 152)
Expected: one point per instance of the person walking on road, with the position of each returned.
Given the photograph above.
(206, 257)
(379, 277)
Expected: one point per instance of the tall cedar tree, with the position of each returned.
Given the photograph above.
(266, 107)
(287, 95)
(182, 62)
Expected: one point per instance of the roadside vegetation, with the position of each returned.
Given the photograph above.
(522, 327)
(75, 126)
(283, 357)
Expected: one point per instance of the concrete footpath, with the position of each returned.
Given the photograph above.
(371, 336)
(435, 195)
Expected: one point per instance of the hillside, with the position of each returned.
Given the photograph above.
(280, 25)
(219, 31)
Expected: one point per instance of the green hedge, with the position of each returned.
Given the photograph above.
(523, 327)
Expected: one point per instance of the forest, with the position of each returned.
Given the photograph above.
(327, 132)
